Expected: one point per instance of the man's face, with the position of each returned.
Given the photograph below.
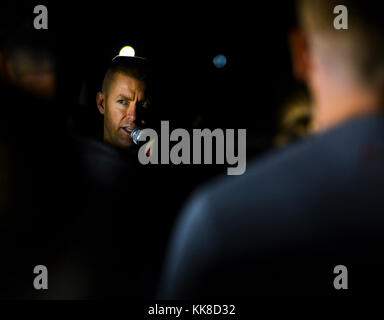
(122, 105)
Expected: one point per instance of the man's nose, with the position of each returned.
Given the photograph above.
(131, 111)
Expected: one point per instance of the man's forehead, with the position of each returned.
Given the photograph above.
(125, 84)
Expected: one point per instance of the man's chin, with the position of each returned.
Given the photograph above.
(126, 143)
(121, 141)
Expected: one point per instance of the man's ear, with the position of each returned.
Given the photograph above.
(100, 101)
(299, 54)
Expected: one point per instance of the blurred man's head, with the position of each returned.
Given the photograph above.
(344, 69)
(27, 58)
(124, 100)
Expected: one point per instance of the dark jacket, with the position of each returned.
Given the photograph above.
(281, 228)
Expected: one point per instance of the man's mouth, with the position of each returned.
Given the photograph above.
(128, 130)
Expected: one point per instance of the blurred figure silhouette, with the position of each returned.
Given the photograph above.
(281, 229)
(27, 61)
(294, 121)
(37, 158)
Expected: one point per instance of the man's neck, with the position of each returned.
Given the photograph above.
(338, 108)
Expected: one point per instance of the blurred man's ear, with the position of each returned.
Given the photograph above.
(299, 54)
(100, 101)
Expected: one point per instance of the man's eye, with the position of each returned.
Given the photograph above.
(121, 101)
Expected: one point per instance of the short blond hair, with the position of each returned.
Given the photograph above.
(363, 39)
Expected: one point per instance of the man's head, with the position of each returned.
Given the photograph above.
(124, 99)
(344, 69)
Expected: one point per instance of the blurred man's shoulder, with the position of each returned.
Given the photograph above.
(297, 170)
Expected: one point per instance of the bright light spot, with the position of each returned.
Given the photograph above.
(220, 61)
(127, 51)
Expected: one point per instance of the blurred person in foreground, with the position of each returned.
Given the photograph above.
(39, 170)
(281, 229)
